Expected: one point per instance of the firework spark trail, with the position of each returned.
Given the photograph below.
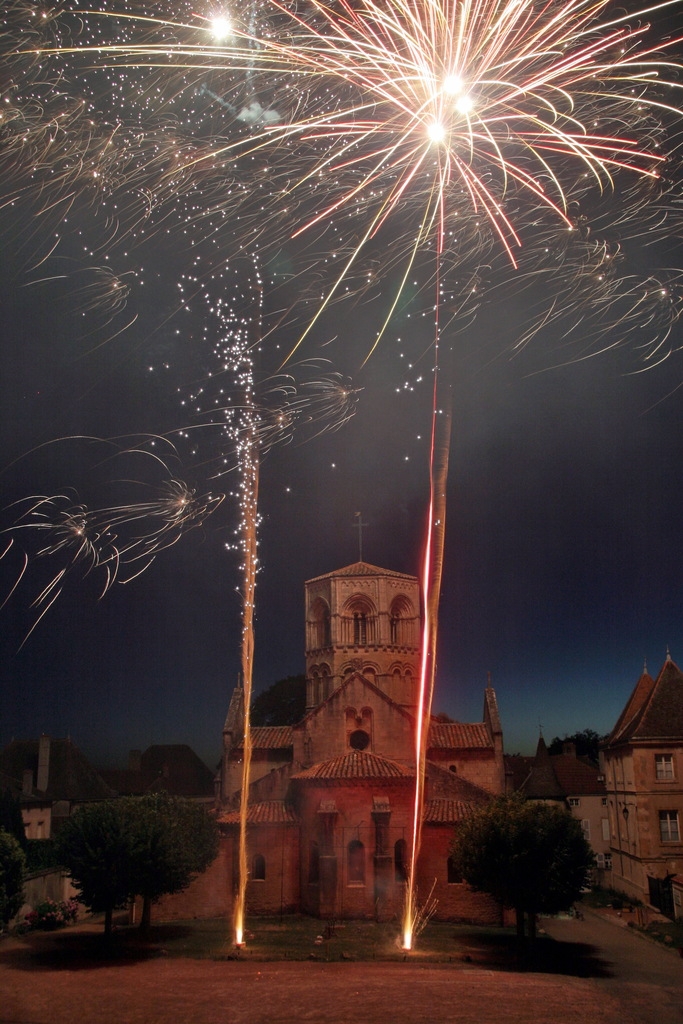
(467, 128)
(250, 478)
(440, 111)
(49, 529)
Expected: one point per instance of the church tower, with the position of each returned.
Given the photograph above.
(363, 619)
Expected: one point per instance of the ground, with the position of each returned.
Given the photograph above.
(594, 970)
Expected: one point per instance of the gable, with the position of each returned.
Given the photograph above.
(357, 707)
(654, 710)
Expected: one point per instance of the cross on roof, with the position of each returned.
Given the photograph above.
(358, 525)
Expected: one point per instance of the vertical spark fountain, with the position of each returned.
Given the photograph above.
(238, 414)
(431, 581)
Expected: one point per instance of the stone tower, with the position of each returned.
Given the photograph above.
(363, 619)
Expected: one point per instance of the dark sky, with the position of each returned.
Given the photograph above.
(563, 556)
(564, 533)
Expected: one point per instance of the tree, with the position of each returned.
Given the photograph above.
(12, 865)
(283, 703)
(531, 857)
(136, 846)
(94, 844)
(11, 819)
(587, 743)
(172, 841)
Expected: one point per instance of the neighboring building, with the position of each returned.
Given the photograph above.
(172, 768)
(643, 767)
(572, 781)
(677, 894)
(52, 778)
(331, 799)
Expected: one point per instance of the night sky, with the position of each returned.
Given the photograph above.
(563, 569)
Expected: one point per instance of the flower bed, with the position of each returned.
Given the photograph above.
(49, 915)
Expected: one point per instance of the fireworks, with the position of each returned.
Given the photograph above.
(398, 151)
(454, 129)
(117, 542)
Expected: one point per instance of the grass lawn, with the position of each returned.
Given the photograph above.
(303, 938)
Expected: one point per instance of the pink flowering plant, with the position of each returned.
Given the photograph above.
(50, 914)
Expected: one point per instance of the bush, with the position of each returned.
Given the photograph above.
(41, 855)
(12, 866)
(49, 915)
(600, 897)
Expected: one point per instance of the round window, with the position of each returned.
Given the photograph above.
(359, 739)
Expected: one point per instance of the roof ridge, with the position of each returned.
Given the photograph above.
(360, 568)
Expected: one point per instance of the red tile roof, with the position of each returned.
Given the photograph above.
(356, 765)
(272, 812)
(558, 776)
(445, 812)
(270, 737)
(464, 735)
(654, 710)
(542, 782)
(634, 704)
(576, 777)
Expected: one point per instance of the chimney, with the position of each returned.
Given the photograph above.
(27, 782)
(569, 747)
(134, 760)
(43, 763)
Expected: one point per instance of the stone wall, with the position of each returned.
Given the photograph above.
(209, 895)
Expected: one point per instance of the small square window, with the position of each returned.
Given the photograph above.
(574, 801)
(664, 767)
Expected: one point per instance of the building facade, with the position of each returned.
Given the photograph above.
(51, 778)
(643, 766)
(331, 799)
(574, 782)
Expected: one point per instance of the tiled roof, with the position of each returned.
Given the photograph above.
(634, 704)
(654, 710)
(272, 812)
(445, 812)
(463, 735)
(270, 737)
(364, 569)
(173, 768)
(577, 777)
(517, 768)
(70, 774)
(542, 782)
(451, 786)
(356, 765)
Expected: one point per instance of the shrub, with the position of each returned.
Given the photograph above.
(49, 915)
(12, 866)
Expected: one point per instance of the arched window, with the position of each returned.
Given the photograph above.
(454, 876)
(314, 864)
(401, 861)
(360, 629)
(356, 861)
(325, 681)
(320, 629)
(258, 868)
(401, 617)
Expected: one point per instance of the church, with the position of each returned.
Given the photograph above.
(331, 798)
